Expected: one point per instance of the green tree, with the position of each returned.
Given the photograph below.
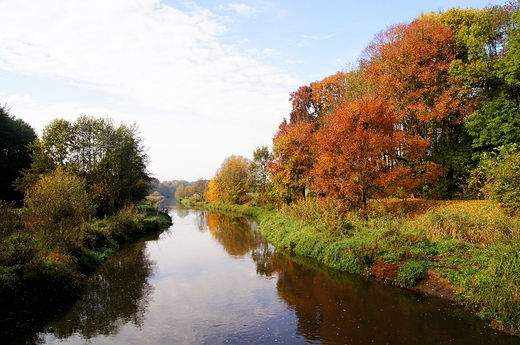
(15, 136)
(110, 158)
(259, 169)
(487, 46)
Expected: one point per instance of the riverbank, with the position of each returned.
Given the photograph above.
(467, 252)
(39, 272)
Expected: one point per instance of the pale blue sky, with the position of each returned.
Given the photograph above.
(202, 79)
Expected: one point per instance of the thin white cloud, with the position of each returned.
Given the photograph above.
(319, 38)
(165, 67)
(154, 54)
(242, 9)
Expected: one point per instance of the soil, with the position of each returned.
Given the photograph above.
(436, 286)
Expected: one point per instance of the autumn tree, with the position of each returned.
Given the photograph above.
(360, 153)
(294, 147)
(232, 180)
(211, 192)
(304, 108)
(409, 66)
(15, 136)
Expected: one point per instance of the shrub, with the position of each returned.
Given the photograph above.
(57, 205)
(502, 173)
(10, 220)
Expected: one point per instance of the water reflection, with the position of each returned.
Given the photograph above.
(117, 294)
(336, 308)
(197, 285)
(239, 237)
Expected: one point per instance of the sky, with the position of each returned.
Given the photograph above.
(203, 80)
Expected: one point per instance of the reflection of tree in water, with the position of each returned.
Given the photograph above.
(117, 294)
(336, 308)
(182, 211)
(239, 237)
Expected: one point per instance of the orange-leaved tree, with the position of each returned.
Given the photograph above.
(361, 150)
(409, 65)
(294, 147)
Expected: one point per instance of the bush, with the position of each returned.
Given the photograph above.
(10, 220)
(57, 205)
(502, 174)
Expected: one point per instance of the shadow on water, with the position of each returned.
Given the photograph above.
(118, 293)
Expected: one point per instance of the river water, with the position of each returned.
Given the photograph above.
(213, 279)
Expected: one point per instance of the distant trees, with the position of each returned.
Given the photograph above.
(15, 136)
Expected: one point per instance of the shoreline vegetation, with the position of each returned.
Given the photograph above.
(465, 252)
(68, 199)
(39, 273)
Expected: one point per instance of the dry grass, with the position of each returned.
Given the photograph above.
(480, 222)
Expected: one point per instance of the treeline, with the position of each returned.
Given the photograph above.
(67, 200)
(178, 189)
(431, 110)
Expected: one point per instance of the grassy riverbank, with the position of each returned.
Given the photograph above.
(40, 269)
(464, 251)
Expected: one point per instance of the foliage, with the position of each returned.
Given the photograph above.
(259, 169)
(10, 220)
(232, 181)
(167, 188)
(294, 154)
(110, 158)
(15, 136)
(39, 271)
(211, 192)
(484, 64)
(502, 177)
(409, 65)
(359, 153)
(57, 204)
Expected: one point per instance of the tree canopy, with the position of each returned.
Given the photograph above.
(15, 136)
(110, 158)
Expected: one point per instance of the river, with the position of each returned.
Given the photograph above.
(213, 279)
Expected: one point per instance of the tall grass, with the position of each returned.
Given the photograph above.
(478, 222)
